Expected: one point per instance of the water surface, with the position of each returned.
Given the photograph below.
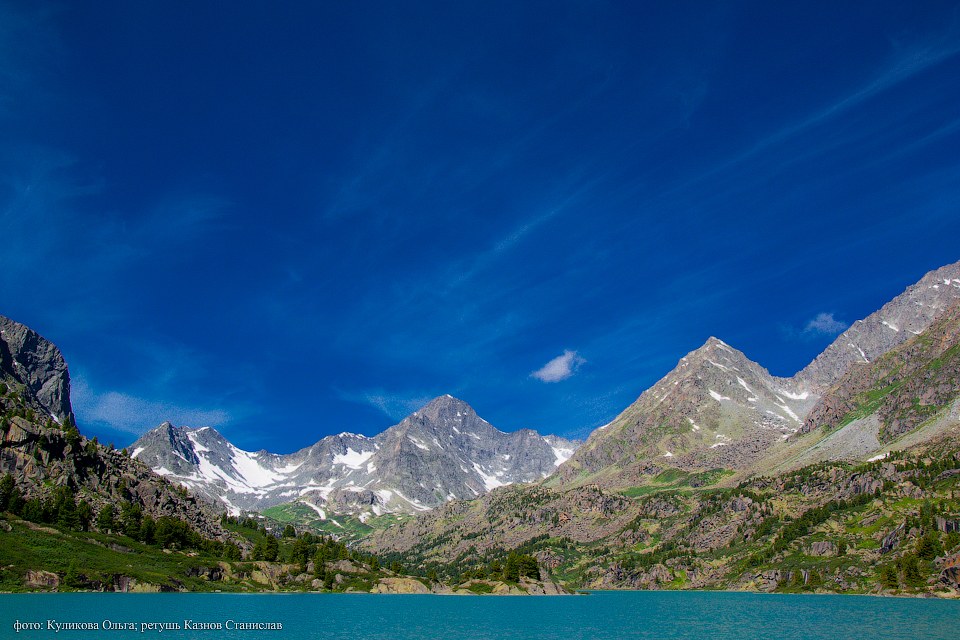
(598, 616)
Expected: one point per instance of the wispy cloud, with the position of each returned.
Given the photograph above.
(824, 324)
(132, 414)
(395, 406)
(560, 368)
(905, 62)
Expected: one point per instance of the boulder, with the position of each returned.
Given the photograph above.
(823, 548)
(399, 585)
(42, 579)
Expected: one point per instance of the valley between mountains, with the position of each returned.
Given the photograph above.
(843, 478)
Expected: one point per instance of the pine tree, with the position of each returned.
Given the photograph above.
(67, 515)
(271, 549)
(105, 519)
(231, 552)
(72, 433)
(928, 545)
(147, 530)
(300, 552)
(72, 577)
(910, 567)
(85, 514)
(130, 517)
(7, 488)
(33, 510)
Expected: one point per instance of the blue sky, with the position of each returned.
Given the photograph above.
(288, 221)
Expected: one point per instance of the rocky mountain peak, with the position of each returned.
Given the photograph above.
(716, 408)
(40, 456)
(444, 408)
(718, 354)
(27, 358)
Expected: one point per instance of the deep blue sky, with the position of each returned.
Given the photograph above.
(293, 219)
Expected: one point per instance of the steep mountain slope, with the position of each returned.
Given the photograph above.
(849, 487)
(903, 398)
(880, 527)
(907, 315)
(718, 409)
(442, 452)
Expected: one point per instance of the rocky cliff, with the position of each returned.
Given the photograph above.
(29, 360)
(901, 389)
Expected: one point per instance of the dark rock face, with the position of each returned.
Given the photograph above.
(892, 539)
(442, 452)
(951, 576)
(30, 360)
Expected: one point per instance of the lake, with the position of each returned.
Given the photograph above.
(600, 616)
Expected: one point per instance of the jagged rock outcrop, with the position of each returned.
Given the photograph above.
(442, 452)
(823, 548)
(400, 585)
(40, 458)
(28, 359)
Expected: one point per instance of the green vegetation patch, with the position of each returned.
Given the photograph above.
(868, 402)
(96, 559)
(677, 480)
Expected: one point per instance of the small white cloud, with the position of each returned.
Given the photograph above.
(824, 325)
(131, 414)
(560, 368)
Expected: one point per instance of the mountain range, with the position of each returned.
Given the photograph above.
(442, 452)
(842, 477)
(716, 409)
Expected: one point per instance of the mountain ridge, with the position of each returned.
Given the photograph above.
(441, 452)
(718, 399)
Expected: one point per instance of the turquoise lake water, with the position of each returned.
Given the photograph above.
(601, 616)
